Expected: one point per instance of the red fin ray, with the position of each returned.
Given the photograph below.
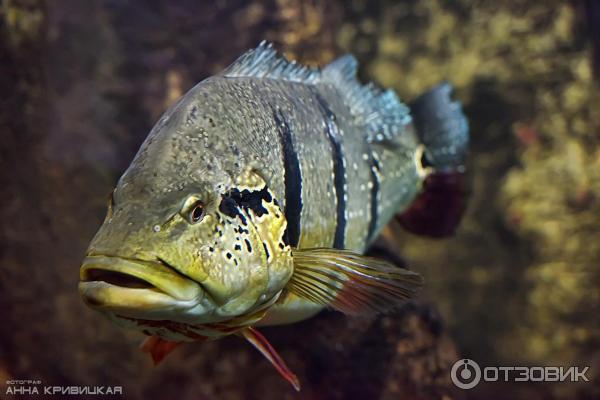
(262, 344)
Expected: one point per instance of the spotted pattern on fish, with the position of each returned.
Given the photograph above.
(234, 201)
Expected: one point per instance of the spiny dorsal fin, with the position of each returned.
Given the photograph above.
(380, 111)
(265, 62)
(350, 282)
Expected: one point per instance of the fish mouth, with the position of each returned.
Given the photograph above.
(131, 286)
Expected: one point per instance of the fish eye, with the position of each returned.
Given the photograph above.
(193, 209)
(197, 212)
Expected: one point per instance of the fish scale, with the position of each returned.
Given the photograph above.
(306, 113)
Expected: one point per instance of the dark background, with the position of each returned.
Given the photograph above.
(81, 84)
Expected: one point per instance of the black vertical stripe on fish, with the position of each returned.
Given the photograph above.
(292, 181)
(374, 168)
(339, 172)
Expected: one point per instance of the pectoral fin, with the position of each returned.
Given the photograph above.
(262, 344)
(350, 282)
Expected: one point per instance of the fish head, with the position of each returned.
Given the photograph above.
(185, 243)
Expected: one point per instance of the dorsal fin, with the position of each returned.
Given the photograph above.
(265, 62)
(380, 111)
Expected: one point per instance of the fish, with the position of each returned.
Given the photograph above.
(255, 196)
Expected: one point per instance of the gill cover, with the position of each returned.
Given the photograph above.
(254, 263)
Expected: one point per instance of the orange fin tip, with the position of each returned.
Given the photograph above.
(158, 348)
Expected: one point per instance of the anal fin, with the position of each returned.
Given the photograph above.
(438, 209)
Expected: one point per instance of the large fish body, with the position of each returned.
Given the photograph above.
(251, 182)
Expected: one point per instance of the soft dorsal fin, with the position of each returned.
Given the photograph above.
(380, 111)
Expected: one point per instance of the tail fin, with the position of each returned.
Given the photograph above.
(442, 127)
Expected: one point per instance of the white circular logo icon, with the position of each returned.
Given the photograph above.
(465, 373)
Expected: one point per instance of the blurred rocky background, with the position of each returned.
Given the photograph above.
(81, 84)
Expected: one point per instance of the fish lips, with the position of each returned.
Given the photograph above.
(136, 287)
